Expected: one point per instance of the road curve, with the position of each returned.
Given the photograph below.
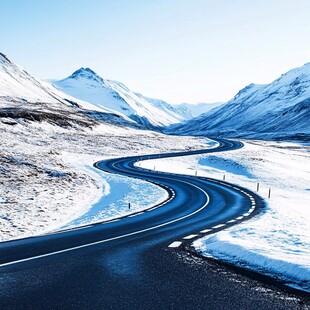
(190, 195)
(126, 263)
(194, 204)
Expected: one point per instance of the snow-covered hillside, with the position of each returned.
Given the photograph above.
(282, 107)
(22, 96)
(86, 85)
(18, 86)
(177, 111)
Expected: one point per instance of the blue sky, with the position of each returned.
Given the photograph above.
(177, 50)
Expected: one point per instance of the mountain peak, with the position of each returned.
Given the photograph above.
(85, 73)
(247, 90)
(4, 59)
(85, 70)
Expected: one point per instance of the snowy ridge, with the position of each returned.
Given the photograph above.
(178, 112)
(280, 107)
(17, 85)
(86, 85)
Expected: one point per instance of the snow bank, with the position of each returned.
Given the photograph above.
(277, 242)
(117, 192)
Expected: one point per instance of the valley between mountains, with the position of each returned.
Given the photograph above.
(52, 132)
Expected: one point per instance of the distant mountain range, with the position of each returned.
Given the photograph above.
(198, 108)
(281, 108)
(85, 90)
(278, 109)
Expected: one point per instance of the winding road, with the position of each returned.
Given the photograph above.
(141, 261)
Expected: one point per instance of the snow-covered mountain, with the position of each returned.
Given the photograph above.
(18, 85)
(178, 111)
(280, 107)
(86, 85)
(23, 96)
(197, 109)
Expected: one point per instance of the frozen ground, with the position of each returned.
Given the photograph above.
(47, 180)
(277, 242)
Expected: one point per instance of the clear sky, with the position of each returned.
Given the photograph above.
(177, 50)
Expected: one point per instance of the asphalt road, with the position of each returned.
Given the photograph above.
(142, 261)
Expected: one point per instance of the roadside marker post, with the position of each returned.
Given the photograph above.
(257, 189)
(129, 205)
(269, 193)
(224, 177)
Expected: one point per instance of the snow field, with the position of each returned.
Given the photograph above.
(276, 242)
